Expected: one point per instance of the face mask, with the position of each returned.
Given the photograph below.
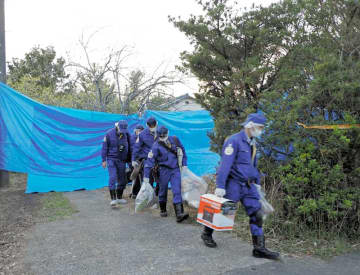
(152, 129)
(255, 132)
(163, 139)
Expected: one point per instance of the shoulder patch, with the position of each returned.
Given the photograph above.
(229, 150)
(150, 155)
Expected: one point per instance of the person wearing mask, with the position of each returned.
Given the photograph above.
(137, 181)
(143, 146)
(236, 179)
(115, 154)
(165, 153)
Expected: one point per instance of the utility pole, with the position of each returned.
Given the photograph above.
(4, 175)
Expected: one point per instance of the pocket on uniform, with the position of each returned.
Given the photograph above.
(243, 157)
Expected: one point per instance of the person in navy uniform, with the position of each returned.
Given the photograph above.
(115, 154)
(137, 182)
(143, 146)
(138, 129)
(236, 179)
(165, 153)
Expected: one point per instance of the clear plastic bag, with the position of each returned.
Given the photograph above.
(192, 187)
(266, 207)
(145, 198)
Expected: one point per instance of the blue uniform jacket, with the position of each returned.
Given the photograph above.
(236, 161)
(163, 157)
(143, 145)
(133, 138)
(112, 144)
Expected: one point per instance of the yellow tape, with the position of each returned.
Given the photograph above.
(326, 127)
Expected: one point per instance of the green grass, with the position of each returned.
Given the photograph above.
(55, 206)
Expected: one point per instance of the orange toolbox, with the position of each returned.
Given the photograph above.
(216, 213)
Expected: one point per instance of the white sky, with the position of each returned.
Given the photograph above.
(142, 24)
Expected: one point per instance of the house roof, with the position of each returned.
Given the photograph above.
(176, 100)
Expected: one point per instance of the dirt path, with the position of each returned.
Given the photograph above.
(98, 240)
(17, 215)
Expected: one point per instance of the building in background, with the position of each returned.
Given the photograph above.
(182, 103)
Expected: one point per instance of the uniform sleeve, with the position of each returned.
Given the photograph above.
(184, 160)
(128, 158)
(150, 161)
(105, 148)
(137, 146)
(229, 152)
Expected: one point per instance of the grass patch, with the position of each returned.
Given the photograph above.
(55, 206)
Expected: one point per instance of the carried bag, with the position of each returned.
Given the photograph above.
(266, 207)
(192, 187)
(145, 198)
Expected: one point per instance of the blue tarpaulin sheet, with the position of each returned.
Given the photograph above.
(60, 148)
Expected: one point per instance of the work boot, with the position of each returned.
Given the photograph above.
(163, 212)
(260, 251)
(179, 212)
(119, 193)
(113, 197)
(206, 236)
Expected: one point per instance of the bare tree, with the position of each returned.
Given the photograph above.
(97, 73)
(113, 81)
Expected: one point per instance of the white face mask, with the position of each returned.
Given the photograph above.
(255, 132)
(152, 129)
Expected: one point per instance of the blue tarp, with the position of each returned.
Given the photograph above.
(60, 148)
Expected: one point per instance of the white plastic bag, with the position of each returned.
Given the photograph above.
(192, 187)
(145, 198)
(266, 207)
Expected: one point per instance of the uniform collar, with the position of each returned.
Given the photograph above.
(244, 137)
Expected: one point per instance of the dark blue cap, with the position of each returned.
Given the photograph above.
(139, 127)
(162, 131)
(255, 118)
(122, 126)
(151, 122)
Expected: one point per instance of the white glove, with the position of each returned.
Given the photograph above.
(220, 192)
(134, 163)
(146, 180)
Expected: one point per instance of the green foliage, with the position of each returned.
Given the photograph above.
(298, 61)
(43, 77)
(42, 65)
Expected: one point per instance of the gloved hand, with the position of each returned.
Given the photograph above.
(220, 192)
(127, 170)
(134, 163)
(146, 180)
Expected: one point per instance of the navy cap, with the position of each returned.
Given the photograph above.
(255, 118)
(162, 131)
(122, 126)
(151, 122)
(139, 127)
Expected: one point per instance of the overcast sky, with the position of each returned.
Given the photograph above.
(142, 24)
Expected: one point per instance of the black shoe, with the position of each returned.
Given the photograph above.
(112, 194)
(119, 193)
(208, 240)
(260, 251)
(179, 211)
(163, 212)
